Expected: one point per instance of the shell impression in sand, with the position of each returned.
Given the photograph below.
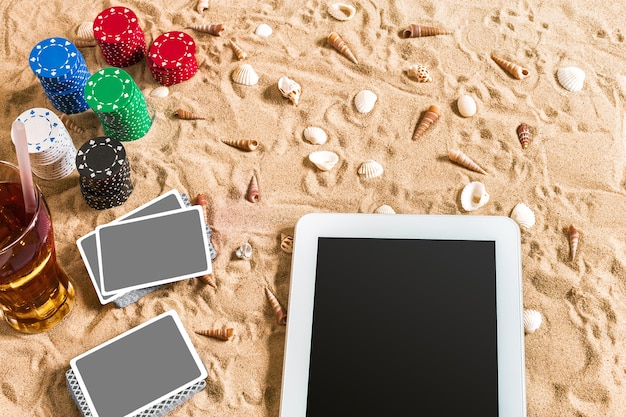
(460, 158)
(417, 31)
(370, 169)
(571, 78)
(338, 43)
(290, 89)
(523, 215)
(365, 100)
(513, 69)
(245, 75)
(430, 117)
(474, 196)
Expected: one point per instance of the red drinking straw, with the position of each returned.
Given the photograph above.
(18, 131)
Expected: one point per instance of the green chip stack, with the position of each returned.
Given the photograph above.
(118, 102)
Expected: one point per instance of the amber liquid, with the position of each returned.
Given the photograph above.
(35, 292)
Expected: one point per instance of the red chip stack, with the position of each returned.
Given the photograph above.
(119, 36)
(172, 58)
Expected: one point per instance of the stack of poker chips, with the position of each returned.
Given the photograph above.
(119, 36)
(171, 58)
(62, 72)
(50, 147)
(118, 102)
(104, 173)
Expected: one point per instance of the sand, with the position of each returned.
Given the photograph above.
(572, 172)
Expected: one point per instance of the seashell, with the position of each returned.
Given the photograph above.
(279, 311)
(466, 106)
(341, 11)
(187, 115)
(370, 169)
(420, 73)
(515, 70)
(338, 43)
(224, 333)
(245, 75)
(213, 29)
(460, 158)
(385, 209)
(474, 196)
(532, 320)
(365, 101)
(245, 144)
(244, 251)
(241, 54)
(290, 89)
(523, 215)
(84, 43)
(202, 5)
(85, 31)
(202, 201)
(70, 124)
(208, 280)
(252, 194)
(324, 160)
(523, 134)
(571, 78)
(315, 135)
(573, 234)
(430, 117)
(417, 31)
(263, 30)
(286, 242)
(160, 92)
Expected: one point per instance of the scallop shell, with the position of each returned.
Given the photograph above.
(341, 11)
(245, 144)
(515, 70)
(339, 44)
(213, 29)
(474, 196)
(187, 115)
(279, 311)
(365, 101)
(571, 78)
(202, 5)
(264, 30)
(417, 31)
(420, 73)
(460, 158)
(245, 75)
(315, 135)
(241, 54)
(244, 251)
(70, 124)
(286, 243)
(523, 215)
(85, 31)
(466, 106)
(385, 209)
(324, 160)
(224, 333)
(160, 92)
(532, 320)
(573, 234)
(252, 194)
(523, 134)
(290, 89)
(370, 169)
(430, 117)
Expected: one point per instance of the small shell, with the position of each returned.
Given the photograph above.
(417, 31)
(70, 124)
(263, 30)
(420, 73)
(430, 117)
(202, 5)
(466, 106)
(208, 280)
(365, 101)
(571, 78)
(370, 169)
(245, 75)
(279, 311)
(341, 11)
(85, 43)
(385, 209)
(324, 160)
(85, 31)
(224, 333)
(532, 320)
(573, 234)
(203, 202)
(523, 134)
(315, 135)
(515, 70)
(523, 215)
(244, 251)
(241, 54)
(245, 144)
(252, 194)
(474, 196)
(338, 43)
(290, 89)
(160, 92)
(188, 115)
(460, 158)
(286, 243)
(213, 29)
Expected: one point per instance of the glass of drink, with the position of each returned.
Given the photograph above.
(35, 292)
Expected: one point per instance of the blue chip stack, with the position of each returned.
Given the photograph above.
(62, 72)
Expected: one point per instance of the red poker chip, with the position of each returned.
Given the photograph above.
(115, 24)
(172, 50)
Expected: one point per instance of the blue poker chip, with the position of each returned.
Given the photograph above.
(77, 80)
(55, 58)
(68, 102)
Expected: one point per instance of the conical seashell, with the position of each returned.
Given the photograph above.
(85, 31)
(315, 135)
(187, 115)
(370, 169)
(245, 75)
(474, 196)
(161, 92)
(252, 194)
(523, 134)
(571, 78)
(213, 29)
(84, 43)
(264, 30)
(202, 5)
(335, 40)
(224, 333)
(324, 160)
(279, 311)
(70, 124)
(466, 106)
(245, 144)
(365, 100)
(385, 209)
(341, 11)
(244, 251)
(417, 31)
(241, 54)
(515, 70)
(290, 89)
(523, 215)
(430, 117)
(286, 243)
(202, 201)
(420, 73)
(460, 158)
(573, 234)
(532, 320)
(208, 280)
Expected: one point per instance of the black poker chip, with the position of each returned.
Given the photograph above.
(100, 158)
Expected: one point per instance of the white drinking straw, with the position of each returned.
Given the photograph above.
(18, 131)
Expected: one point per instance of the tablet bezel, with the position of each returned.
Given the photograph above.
(500, 229)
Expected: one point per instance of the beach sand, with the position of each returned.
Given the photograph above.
(572, 172)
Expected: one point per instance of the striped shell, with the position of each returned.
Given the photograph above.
(245, 75)
(315, 135)
(523, 215)
(245, 144)
(286, 242)
(532, 320)
(339, 44)
(160, 92)
(85, 31)
(417, 31)
(188, 115)
(420, 73)
(523, 134)
(573, 235)
(474, 196)
(571, 78)
(460, 158)
(244, 251)
(212, 29)
(252, 194)
(385, 209)
(70, 124)
(514, 70)
(341, 11)
(224, 333)
(279, 311)
(430, 117)
(263, 30)
(365, 100)
(324, 160)
(370, 169)
(241, 54)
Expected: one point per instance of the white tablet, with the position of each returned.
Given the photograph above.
(396, 314)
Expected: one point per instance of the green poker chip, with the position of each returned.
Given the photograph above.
(109, 90)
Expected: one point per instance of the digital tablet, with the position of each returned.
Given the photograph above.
(402, 314)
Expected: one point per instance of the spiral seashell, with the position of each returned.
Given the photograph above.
(315, 135)
(85, 31)
(532, 320)
(338, 43)
(212, 29)
(430, 117)
(324, 160)
(466, 106)
(418, 31)
(160, 92)
(290, 89)
(523, 134)
(571, 78)
(85, 43)
(474, 196)
(515, 70)
(385, 209)
(420, 73)
(252, 194)
(245, 144)
(241, 54)
(286, 243)
(573, 234)
(225, 333)
(365, 100)
(245, 75)
(187, 115)
(202, 5)
(460, 158)
(523, 215)
(370, 169)
(208, 280)
(279, 311)
(341, 11)
(244, 251)
(263, 30)
(70, 124)
(202, 201)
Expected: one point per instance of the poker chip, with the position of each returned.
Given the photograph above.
(119, 36)
(171, 58)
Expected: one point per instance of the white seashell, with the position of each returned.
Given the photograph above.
(532, 320)
(324, 160)
(245, 75)
(202, 5)
(466, 106)
(474, 196)
(385, 209)
(244, 251)
(571, 78)
(85, 31)
(523, 215)
(161, 92)
(290, 89)
(341, 11)
(370, 169)
(315, 135)
(365, 101)
(263, 30)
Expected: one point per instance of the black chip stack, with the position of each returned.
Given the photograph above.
(119, 36)
(172, 58)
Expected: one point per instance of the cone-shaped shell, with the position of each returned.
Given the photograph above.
(245, 144)
(213, 29)
(532, 320)
(523, 215)
(430, 117)
(245, 75)
(338, 43)
(224, 333)
(474, 196)
(161, 92)
(417, 31)
(241, 54)
(208, 280)
(244, 251)
(70, 124)
(85, 31)
(365, 100)
(573, 234)
(315, 135)
(324, 160)
(571, 78)
(290, 89)
(341, 11)
(202, 201)
(279, 311)
(202, 5)
(187, 115)
(515, 70)
(286, 242)
(523, 134)
(252, 194)
(460, 158)
(370, 169)
(385, 209)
